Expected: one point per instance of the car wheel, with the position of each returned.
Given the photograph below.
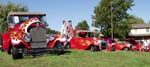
(126, 49)
(130, 48)
(68, 46)
(9, 50)
(1, 43)
(59, 47)
(34, 56)
(93, 48)
(16, 54)
(2, 48)
(113, 48)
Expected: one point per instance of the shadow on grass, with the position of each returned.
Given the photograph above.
(60, 53)
(47, 54)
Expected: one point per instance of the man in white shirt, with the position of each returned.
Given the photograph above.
(64, 32)
(64, 29)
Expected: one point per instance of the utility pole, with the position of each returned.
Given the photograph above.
(112, 26)
(94, 28)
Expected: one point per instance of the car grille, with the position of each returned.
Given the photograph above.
(38, 37)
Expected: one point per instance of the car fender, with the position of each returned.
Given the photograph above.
(5, 40)
(25, 25)
(52, 43)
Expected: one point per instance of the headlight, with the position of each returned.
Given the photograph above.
(15, 41)
(27, 38)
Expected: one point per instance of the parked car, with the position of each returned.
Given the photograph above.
(26, 35)
(85, 40)
(115, 46)
(135, 45)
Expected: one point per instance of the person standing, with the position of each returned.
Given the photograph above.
(64, 29)
(64, 33)
(70, 30)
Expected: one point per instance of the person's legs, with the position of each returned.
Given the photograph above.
(65, 43)
(69, 38)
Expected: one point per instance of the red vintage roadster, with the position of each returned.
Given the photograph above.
(135, 46)
(27, 35)
(115, 46)
(84, 40)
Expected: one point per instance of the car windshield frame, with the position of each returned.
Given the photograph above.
(22, 18)
(86, 34)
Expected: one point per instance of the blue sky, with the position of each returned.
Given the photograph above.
(75, 10)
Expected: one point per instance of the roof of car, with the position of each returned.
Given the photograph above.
(26, 13)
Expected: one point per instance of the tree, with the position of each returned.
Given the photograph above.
(135, 20)
(82, 25)
(50, 31)
(115, 10)
(5, 9)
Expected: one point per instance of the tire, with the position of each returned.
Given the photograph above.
(125, 49)
(130, 48)
(9, 50)
(16, 54)
(59, 47)
(68, 46)
(1, 43)
(113, 48)
(1, 40)
(93, 48)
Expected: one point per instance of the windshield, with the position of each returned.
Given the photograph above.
(86, 34)
(20, 19)
(90, 34)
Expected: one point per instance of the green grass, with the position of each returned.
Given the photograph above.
(80, 59)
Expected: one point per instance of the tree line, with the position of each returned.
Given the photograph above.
(112, 18)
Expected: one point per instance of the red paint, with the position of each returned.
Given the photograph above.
(83, 43)
(17, 32)
(135, 45)
(5, 41)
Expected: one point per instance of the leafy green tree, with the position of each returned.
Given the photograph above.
(115, 10)
(5, 9)
(82, 25)
(135, 20)
(50, 31)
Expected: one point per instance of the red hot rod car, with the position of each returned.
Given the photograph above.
(115, 46)
(135, 45)
(84, 40)
(27, 35)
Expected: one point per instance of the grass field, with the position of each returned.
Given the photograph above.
(76, 58)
